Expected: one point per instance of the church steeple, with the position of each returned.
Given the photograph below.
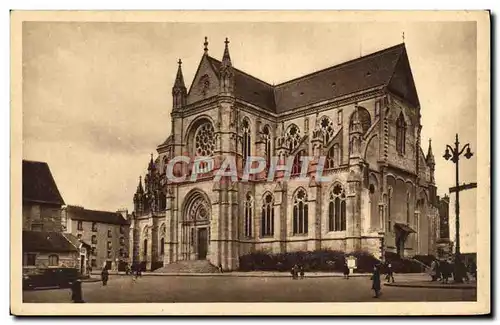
(179, 91)
(226, 72)
(151, 165)
(140, 189)
(139, 198)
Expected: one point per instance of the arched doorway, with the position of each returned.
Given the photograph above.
(196, 226)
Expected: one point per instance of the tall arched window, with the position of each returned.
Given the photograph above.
(297, 162)
(248, 215)
(162, 246)
(292, 137)
(401, 134)
(53, 260)
(337, 209)
(162, 238)
(267, 144)
(267, 218)
(389, 210)
(246, 139)
(300, 213)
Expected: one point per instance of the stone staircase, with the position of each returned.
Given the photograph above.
(196, 266)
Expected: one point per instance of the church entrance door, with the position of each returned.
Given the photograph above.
(202, 243)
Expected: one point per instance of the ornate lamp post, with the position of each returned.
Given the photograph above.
(456, 152)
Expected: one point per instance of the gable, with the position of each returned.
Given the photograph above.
(205, 83)
(39, 185)
(402, 83)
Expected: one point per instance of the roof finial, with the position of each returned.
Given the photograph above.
(206, 45)
(403, 37)
(226, 42)
(179, 62)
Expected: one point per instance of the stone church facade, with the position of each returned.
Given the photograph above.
(363, 115)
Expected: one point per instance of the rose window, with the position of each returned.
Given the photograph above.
(204, 140)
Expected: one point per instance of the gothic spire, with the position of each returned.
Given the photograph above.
(430, 155)
(151, 163)
(179, 79)
(226, 58)
(140, 189)
(179, 91)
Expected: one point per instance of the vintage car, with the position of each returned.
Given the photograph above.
(49, 277)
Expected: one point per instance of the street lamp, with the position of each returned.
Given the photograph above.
(455, 156)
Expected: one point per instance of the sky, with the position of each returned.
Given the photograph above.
(97, 96)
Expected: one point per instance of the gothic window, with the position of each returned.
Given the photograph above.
(267, 144)
(267, 218)
(339, 117)
(204, 140)
(246, 139)
(363, 117)
(292, 137)
(300, 212)
(204, 84)
(326, 126)
(248, 215)
(297, 162)
(400, 134)
(389, 210)
(337, 209)
(53, 260)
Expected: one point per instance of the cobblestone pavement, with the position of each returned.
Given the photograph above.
(124, 289)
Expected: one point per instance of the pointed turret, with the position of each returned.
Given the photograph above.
(430, 161)
(139, 198)
(226, 72)
(179, 91)
(430, 156)
(151, 165)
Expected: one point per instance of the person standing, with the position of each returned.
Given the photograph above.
(390, 273)
(301, 270)
(105, 276)
(434, 270)
(376, 281)
(346, 271)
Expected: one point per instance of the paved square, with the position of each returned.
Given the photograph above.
(123, 289)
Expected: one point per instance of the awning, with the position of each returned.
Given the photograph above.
(404, 227)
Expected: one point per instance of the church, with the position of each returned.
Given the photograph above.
(363, 116)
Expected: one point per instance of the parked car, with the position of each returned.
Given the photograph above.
(50, 277)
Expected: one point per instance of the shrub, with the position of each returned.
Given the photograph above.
(320, 260)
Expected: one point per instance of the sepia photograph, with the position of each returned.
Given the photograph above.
(287, 163)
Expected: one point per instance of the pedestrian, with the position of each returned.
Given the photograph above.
(105, 276)
(346, 271)
(220, 268)
(376, 281)
(434, 270)
(294, 271)
(390, 273)
(301, 270)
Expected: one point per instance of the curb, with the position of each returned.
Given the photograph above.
(250, 275)
(416, 285)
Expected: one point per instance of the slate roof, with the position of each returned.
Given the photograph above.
(75, 241)
(45, 241)
(79, 213)
(38, 183)
(364, 73)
